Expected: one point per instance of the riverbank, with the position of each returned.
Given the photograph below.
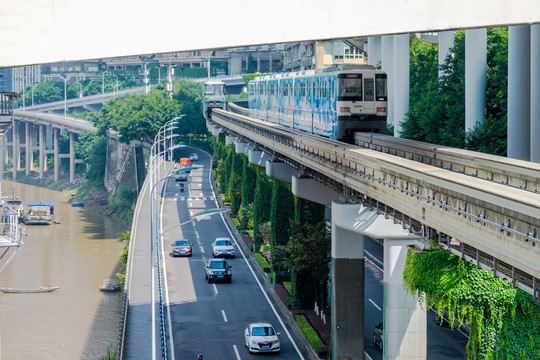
(79, 188)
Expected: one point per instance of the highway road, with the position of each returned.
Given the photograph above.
(210, 318)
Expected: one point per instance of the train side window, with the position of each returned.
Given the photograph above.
(369, 91)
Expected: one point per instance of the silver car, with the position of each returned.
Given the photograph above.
(223, 246)
(261, 338)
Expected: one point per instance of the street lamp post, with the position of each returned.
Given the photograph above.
(80, 93)
(33, 86)
(146, 88)
(66, 78)
(103, 81)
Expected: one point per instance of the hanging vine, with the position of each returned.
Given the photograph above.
(504, 322)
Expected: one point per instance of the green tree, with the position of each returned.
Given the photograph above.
(281, 212)
(263, 197)
(92, 149)
(308, 256)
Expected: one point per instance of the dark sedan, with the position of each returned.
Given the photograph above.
(182, 248)
(218, 270)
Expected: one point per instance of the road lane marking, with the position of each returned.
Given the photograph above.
(236, 352)
(224, 316)
(371, 301)
(262, 290)
(215, 289)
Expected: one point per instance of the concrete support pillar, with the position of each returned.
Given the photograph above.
(28, 148)
(240, 147)
(270, 63)
(446, 42)
(258, 63)
(56, 135)
(401, 83)
(387, 61)
(16, 150)
(259, 158)
(404, 319)
(475, 76)
(374, 50)
(347, 278)
(535, 93)
(519, 85)
(281, 171)
(230, 140)
(41, 151)
(312, 190)
(71, 157)
(2, 155)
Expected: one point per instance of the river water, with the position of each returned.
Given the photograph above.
(76, 321)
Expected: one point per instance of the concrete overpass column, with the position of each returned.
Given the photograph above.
(374, 50)
(281, 171)
(270, 63)
(446, 42)
(16, 150)
(535, 92)
(56, 135)
(257, 157)
(401, 84)
(258, 63)
(41, 150)
(475, 77)
(347, 278)
(404, 319)
(2, 155)
(387, 61)
(519, 85)
(71, 157)
(28, 148)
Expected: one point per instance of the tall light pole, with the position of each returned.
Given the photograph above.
(66, 78)
(80, 92)
(146, 86)
(170, 73)
(33, 86)
(103, 81)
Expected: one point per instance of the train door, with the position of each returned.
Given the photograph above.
(369, 95)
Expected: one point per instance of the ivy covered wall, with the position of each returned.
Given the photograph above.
(504, 322)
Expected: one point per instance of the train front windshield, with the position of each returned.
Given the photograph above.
(213, 89)
(350, 87)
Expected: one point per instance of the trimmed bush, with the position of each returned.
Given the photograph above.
(309, 332)
(262, 262)
(288, 286)
(236, 222)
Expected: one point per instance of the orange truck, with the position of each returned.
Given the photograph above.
(184, 163)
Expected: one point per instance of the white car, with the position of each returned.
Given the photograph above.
(193, 157)
(223, 246)
(261, 337)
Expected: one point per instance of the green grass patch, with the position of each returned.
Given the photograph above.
(262, 262)
(308, 331)
(288, 286)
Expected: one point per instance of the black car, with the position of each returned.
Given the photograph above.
(218, 270)
(182, 248)
(378, 336)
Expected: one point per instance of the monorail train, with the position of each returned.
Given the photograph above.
(214, 96)
(335, 102)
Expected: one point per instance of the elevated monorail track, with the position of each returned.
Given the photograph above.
(512, 172)
(482, 220)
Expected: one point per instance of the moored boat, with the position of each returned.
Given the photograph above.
(37, 290)
(40, 213)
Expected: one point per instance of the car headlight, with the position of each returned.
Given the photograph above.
(275, 342)
(254, 342)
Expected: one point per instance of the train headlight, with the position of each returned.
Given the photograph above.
(345, 109)
(381, 109)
